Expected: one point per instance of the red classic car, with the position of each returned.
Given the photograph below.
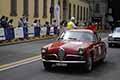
(78, 46)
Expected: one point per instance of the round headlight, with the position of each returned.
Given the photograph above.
(43, 50)
(81, 51)
(110, 38)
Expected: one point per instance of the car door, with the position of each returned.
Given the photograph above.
(98, 48)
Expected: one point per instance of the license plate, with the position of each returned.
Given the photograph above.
(61, 64)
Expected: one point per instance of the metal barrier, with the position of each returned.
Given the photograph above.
(25, 32)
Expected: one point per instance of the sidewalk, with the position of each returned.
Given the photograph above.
(18, 41)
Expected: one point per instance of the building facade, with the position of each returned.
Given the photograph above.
(44, 9)
(99, 9)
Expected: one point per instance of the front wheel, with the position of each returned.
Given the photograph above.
(89, 65)
(47, 66)
(110, 45)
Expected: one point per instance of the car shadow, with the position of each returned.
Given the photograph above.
(99, 70)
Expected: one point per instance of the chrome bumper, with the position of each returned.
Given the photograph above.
(64, 62)
(114, 42)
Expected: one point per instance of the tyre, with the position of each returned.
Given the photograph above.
(89, 65)
(103, 59)
(47, 66)
(110, 45)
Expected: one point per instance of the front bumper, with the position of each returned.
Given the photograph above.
(114, 42)
(64, 62)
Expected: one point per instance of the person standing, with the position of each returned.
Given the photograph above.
(34, 23)
(10, 23)
(20, 23)
(71, 24)
(48, 27)
(55, 26)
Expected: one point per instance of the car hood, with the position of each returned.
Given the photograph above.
(116, 35)
(69, 45)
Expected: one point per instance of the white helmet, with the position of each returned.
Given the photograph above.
(72, 18)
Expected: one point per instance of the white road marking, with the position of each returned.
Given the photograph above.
(19, 63)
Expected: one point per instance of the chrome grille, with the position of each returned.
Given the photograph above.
(61, 54)
(117, 39)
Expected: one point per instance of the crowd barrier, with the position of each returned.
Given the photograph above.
(25, 32)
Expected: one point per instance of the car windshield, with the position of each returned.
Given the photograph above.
(81, 36)
(117, 30)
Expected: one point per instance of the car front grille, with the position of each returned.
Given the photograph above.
(116, 39)
(61, 54)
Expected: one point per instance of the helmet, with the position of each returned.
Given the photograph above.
(72, 18)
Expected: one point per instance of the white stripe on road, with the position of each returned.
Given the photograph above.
(19, 63)
(25, 61)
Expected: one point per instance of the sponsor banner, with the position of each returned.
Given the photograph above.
(52, 31)
(2, 34)
(19, 32)
(43, 31)
(31, 32)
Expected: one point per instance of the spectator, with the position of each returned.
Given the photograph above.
(3, 21)
(77, 23)
(10, 23)
(6, 19)
(34, 23)
(65, 25)
(25, 21)
(20, 23)
(55, 27)
(48, 27)
(38, 23)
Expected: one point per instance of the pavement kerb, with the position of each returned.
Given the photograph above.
(25, 41)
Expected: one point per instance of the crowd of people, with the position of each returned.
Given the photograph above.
(23, 22)
(5, 22)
